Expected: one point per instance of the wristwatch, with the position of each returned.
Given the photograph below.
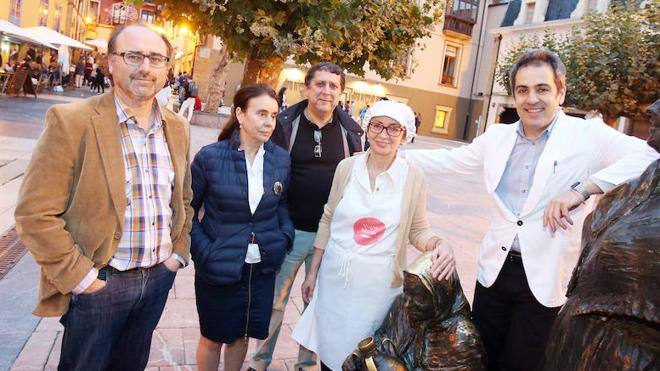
(579, 188)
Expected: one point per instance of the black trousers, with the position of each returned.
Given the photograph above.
(513, 325)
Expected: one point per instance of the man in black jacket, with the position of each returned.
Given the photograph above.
(318, 135)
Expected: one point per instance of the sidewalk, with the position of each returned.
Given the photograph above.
(30, 343)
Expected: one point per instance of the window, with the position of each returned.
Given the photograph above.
(465, 9)
(405, 58)
(450, 65)
(529, 13)
(147, 16)
(461, 16)
(43, 13)
(15, 11)
(93, 11)
(441, 121)
(592, 5)
(122, 13)
(58, 18)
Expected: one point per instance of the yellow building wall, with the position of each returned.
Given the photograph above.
(30, 13)
(4, 9)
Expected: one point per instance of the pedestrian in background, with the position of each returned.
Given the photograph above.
(89, 69)
(240, 243)
(80, 72)
(418, 122)
(98, 85)
(281, 99)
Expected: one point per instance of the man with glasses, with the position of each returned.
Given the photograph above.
(105, 209)
(318, 134)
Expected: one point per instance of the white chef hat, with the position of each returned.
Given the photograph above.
(400, 112)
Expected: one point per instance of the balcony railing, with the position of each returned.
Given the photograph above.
(459, 24)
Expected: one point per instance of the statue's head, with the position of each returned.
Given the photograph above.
(427, 299)
(653, 113)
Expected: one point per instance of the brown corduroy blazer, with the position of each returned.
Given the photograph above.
(71, 205)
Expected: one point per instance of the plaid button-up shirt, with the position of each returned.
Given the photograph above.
(146, 238)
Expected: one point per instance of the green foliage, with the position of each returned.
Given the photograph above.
(612, 60)
(349, 33)
(616, 59)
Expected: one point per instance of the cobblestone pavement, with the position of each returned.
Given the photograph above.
(457, 211)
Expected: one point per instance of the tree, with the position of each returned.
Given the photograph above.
(350, 33)
(612, 60)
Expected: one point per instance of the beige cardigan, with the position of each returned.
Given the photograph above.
(414, 225)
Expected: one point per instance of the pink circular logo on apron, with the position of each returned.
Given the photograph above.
(368, 231)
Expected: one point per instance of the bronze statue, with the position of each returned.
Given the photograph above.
(610, 321)
(428, 327)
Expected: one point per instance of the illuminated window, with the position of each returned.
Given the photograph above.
(43, 13)
(93, 11)
(441, 121)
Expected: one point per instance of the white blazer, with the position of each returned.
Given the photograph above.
(576, 150)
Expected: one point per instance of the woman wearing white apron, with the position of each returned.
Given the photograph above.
(376, 205)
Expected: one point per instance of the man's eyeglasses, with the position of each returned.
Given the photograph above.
(317, 148)
(136, 59)
(392, 130)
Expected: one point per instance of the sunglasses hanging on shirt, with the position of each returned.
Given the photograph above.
(317, 148)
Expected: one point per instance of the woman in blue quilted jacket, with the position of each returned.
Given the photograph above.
(240, 242)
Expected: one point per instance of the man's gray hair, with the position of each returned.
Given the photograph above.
(327, 67)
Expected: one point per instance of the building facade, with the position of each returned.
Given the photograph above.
(440, 84)
(64, 16)
(507, 23)
(105, 15)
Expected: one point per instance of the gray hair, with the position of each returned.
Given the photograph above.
(327, 67)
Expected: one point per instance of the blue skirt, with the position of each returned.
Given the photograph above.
(227, 313)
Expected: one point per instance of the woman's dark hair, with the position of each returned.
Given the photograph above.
(242, 99)
(280, 95)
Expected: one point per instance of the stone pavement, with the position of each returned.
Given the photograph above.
(457, 211)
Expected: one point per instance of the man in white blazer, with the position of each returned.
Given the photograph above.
(539, 173)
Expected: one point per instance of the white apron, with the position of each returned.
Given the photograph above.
(353, 290)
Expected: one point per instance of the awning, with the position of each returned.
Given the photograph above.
(12, 31)
(54, 37)
(101, 44)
